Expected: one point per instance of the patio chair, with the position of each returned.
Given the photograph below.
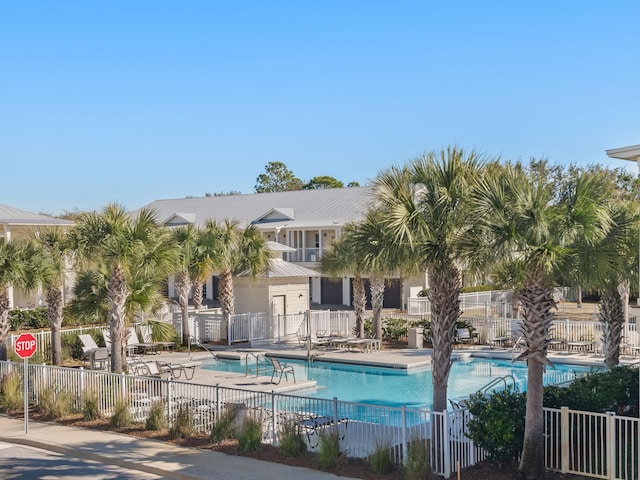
(463, 336)
(95, 354)
(145, 331)
(280, 370)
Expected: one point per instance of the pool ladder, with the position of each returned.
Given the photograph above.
(497, 381)
(249, 360)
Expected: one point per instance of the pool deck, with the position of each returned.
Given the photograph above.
(388, 358)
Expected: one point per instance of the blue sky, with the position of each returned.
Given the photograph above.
(132, 101)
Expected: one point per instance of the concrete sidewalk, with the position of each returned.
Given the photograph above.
(149, 456)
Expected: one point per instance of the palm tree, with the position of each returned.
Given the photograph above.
(235, 251)
(615, 257)
(53, 244)
(522, 221)
(202, 266)
(378, 257)
(134, 253)
(19, 267)
(340, 259)
(426, 211)
(185, 238)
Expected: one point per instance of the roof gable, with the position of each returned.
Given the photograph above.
(276, 215)
(178, 219)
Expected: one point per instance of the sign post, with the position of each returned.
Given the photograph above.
(25, 346)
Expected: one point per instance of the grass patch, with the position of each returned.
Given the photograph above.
(290, 439)
(250, 435)
(329, 455)
(224, 426)
(183, 426)
(156, 419)
(121, 416)
(54, 405)
(11, 397)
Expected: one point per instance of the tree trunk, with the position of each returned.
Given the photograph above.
(227, 297)
(183, 284)
(54, 313)
(359, 303)
(532, 459)
(537, 302)
(377, 299)
(579, 295)
(444, 295)
(197, 293)
(611, 317)
(5, 326)
(117, 295)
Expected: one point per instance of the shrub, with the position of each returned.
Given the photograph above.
(614, 390)
(11, 397)
(223, 427)
(478, 288)
(290, 439)
(417, 466)
(54, 405)
(250, 435)
(33, 318)
(121, 416)
(90, 409)
(497, 424)
(380, 460)
(156, 419)
(394, 329)
(182, 427)
(329, 454)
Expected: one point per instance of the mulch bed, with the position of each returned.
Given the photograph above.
(350, 467)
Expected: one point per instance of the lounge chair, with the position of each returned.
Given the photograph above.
(315, 425)
(136, 346)
(95, 354)
(177, 370)
(280, 370)
(163, 369)
(145, 331)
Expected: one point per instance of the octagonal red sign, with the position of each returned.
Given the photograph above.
(26, 345)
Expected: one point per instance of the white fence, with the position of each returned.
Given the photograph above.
(361, 428)
(43, 338)
(583, 443)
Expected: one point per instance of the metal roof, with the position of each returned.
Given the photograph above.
(15, 216)
(308, 208)
(279, 268)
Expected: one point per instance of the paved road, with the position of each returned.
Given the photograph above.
(19, 462)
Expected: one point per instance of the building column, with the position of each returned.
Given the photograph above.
(7, 238)
(346, 291)
(316, 290)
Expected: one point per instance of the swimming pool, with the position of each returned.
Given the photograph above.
(399, 387)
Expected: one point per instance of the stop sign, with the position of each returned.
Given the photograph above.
(26, 345)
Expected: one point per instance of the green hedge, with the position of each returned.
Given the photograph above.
(20, 319)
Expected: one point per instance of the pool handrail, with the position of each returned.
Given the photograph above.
(483, 390)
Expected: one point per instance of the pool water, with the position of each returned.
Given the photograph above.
(398, 387)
